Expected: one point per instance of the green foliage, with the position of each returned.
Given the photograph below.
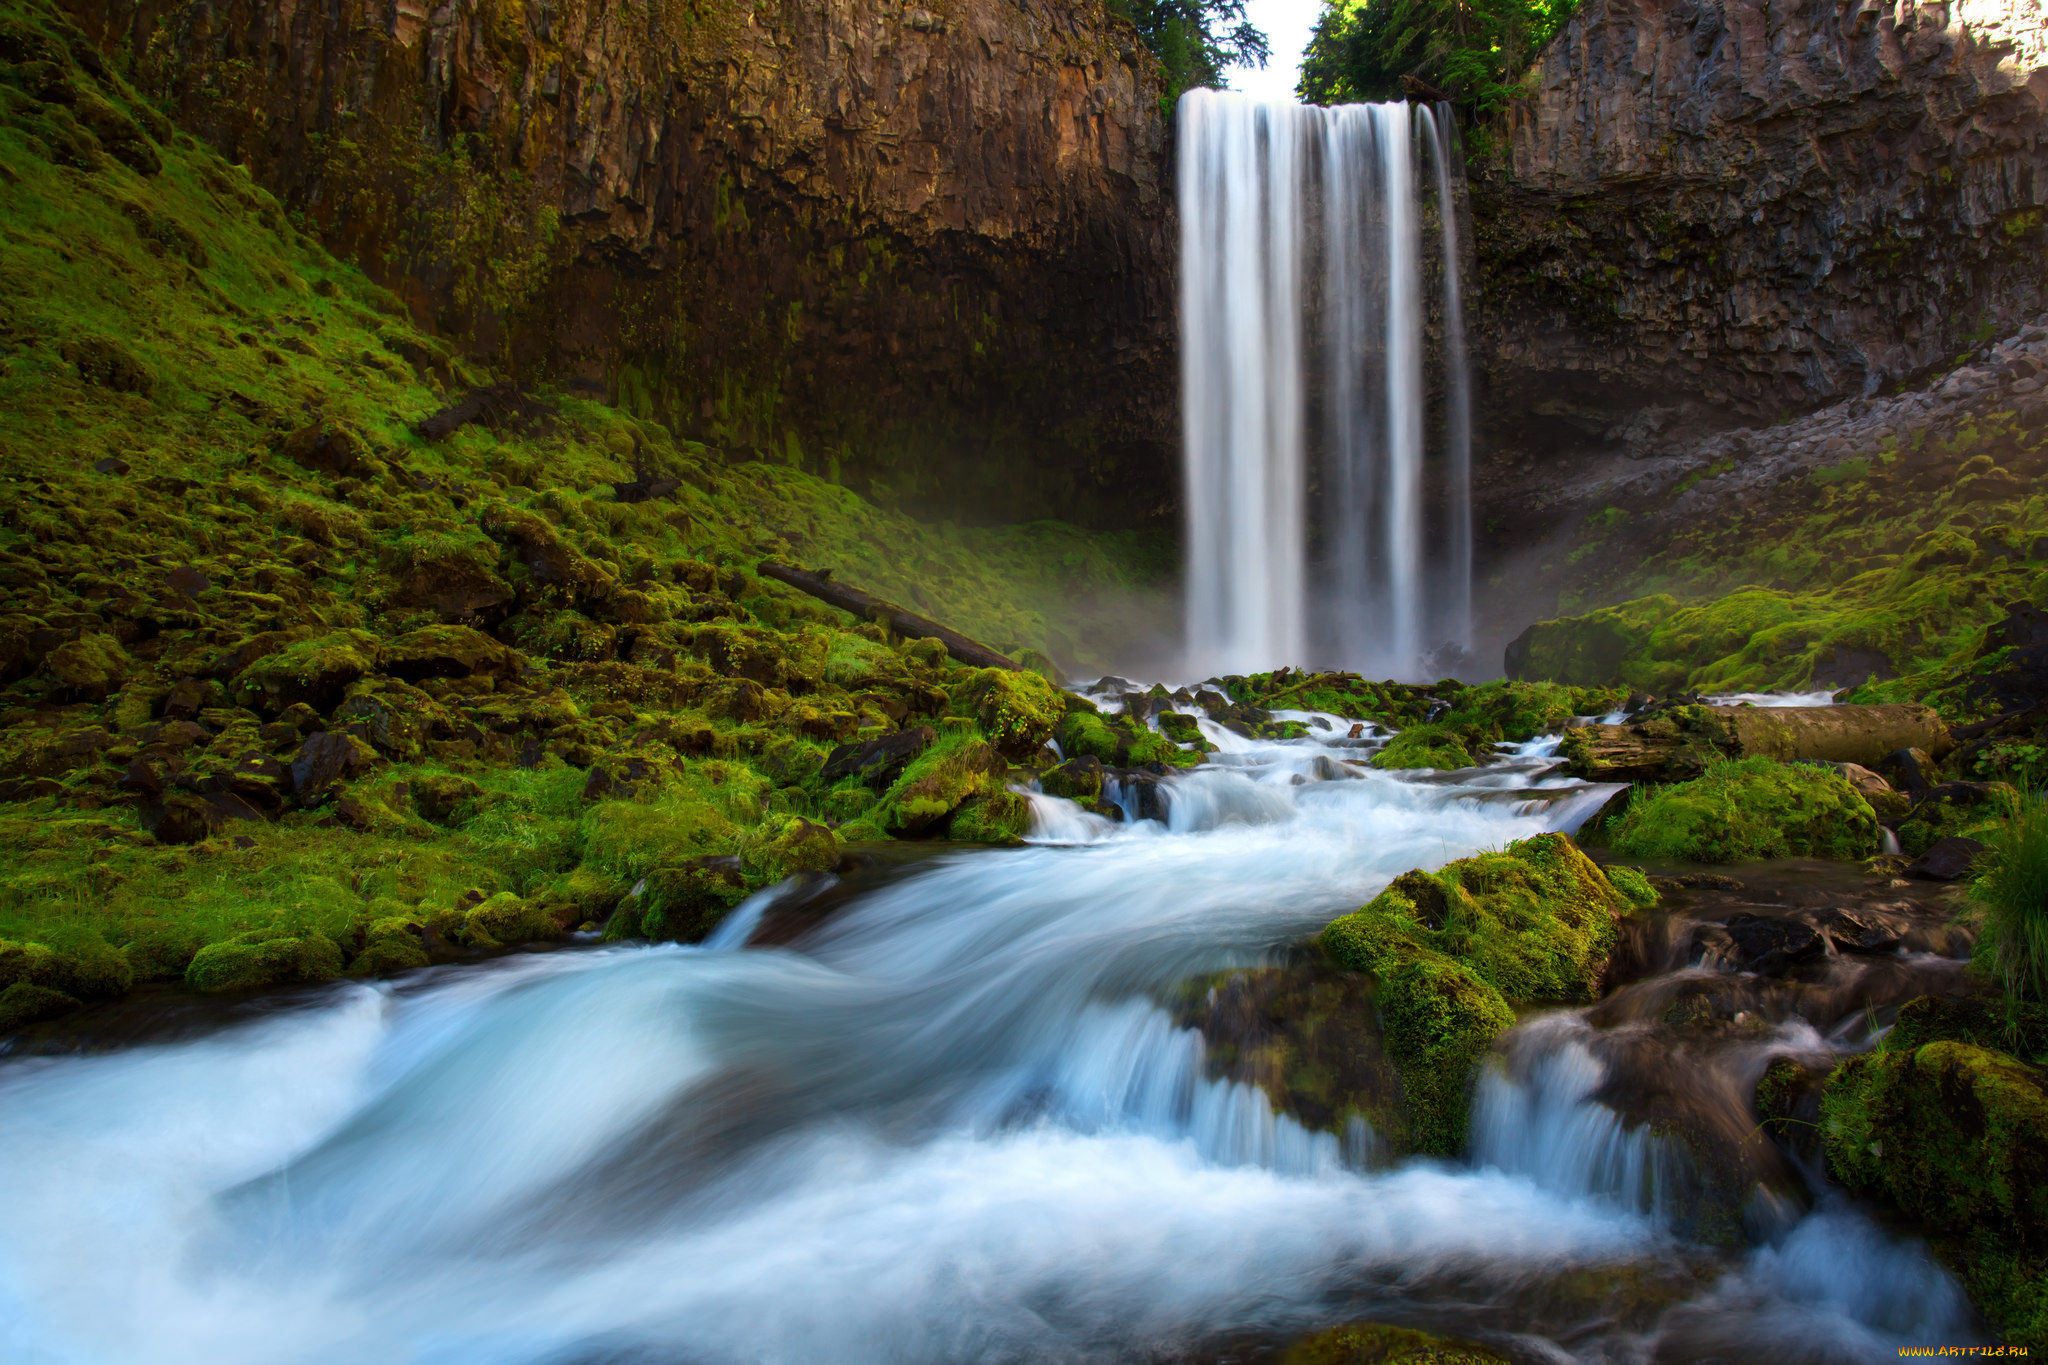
(1194, 40)
(1750, 808)
(1428, 746)
(1451, 949)
(1633, 885)
(1474, 51)
(2012, 891)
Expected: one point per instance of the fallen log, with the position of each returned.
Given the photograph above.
(1677, 745)
(819, 584)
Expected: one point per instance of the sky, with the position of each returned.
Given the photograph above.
(1287, 24)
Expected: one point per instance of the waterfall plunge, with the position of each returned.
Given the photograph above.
(1302, 345)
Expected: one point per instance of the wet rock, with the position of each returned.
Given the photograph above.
(25, 1003)
(877, 762)
(1144, 796)
(1947, 861)
(1866, 930)
(1768, 945)
(1077, 779)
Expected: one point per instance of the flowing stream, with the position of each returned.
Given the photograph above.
(949, 1121)
(1329, 514)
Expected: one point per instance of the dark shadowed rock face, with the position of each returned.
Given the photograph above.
(1717, 210)
(923, 247)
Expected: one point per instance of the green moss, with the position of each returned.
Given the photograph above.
(1019, 709)
(784, 846)
(1002, 818)
(391, 943)
(953, 771)
(505, 919)
(1452, 948)
(1633, 885)
(1957, 1137)
(683, 903)
(24, 1003)
(1373, 1343)
(1427, 746)
(259, 961)
(1085, 731)
(1750, 808)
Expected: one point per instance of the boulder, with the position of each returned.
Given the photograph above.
(876, 762)
(1077, 779)
(1947, 861)
(448, 652)
(90, 666)
(327, 760)
(261, 959)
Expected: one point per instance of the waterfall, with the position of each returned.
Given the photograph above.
(1303, 348)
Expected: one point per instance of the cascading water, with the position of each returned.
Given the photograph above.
(951, 1122)
(1303, 338)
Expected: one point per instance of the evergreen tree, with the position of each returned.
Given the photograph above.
(1472, 51)
(1195, 39)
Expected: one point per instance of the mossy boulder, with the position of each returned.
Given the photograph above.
(391, 943)
(1077, 779)
(1374, 1343)
(90, 666)
(1453, 948)
(1429, 746)
(24, 1003)
(448, 652)
(87, 969)
(627, 840)
(505, 919)
(260, 959)
(1750, 808)
(316, 671)
(785, 845)
(952, 772)
(1018, 709)
(683, 902)
(1633, 886)
(445, 798)
(581, 896)
(1086, 731)
(331, 448)
(1956, 1136)
(1002, 818)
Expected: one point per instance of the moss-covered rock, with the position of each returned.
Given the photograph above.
(1373, 1343)
(786, 845)
(683, 902)
(261, 959)
(24, 1003)
(1077, 779)
(1428, 746)
(955, 770)
(505, 919)
(90, 666)
(1750, 808)
(1018, 709)
(1633, 886)
(1967, 810)
(1002, 818)
(1453, 948)
(393, 943)
(87, 968)
(1085, 732)
(1957, 1137)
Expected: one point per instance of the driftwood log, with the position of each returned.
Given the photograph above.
(819, 584)
(1676, 745)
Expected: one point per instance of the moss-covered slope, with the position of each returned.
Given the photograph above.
(298, 681)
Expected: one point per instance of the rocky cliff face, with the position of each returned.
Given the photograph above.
(1718, 210)
(919, 247)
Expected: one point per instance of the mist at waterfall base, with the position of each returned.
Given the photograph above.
(1328, 477)
(951, 1121)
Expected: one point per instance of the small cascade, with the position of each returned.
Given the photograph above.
(1329, 514)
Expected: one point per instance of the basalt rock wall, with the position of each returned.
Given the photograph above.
(922, 248)
(1714, 211)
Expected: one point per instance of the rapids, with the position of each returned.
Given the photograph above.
(949, 1121)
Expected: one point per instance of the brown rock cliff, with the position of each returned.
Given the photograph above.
(921, 247)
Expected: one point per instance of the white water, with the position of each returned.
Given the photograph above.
(948, 1125)
(1303, 350)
